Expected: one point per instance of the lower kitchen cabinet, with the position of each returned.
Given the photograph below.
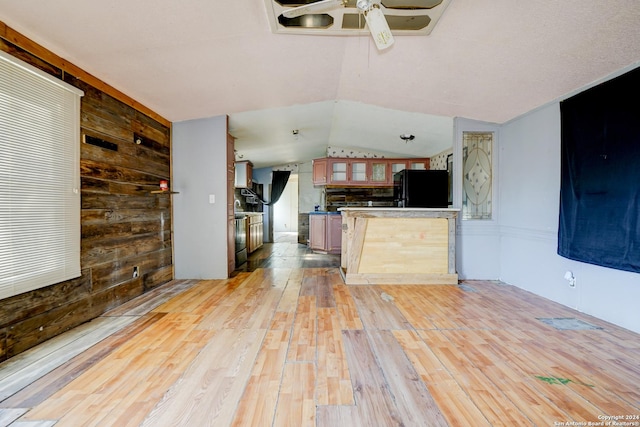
(255, 232)
(325, 232)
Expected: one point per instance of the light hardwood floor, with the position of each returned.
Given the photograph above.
(291, 346)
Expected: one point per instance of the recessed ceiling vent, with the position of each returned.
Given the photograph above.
(404, 17)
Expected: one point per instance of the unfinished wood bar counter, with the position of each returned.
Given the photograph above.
(399, 246)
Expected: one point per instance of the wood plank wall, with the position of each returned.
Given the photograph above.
(123, 225)
(356, 197)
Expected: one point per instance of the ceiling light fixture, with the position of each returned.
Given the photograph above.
(377, 23)
(407, 137)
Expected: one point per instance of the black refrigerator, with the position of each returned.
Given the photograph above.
(414, 188)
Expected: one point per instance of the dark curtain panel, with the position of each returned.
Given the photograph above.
(599, 219)
(278, 183)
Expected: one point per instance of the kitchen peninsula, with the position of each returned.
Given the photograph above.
(399, 246)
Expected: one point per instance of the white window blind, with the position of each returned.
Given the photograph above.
(39, 178)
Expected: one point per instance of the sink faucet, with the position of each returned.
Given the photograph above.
(237, 203)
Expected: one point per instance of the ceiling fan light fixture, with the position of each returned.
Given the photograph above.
(379, 28)
(364, 5)
(407, 137)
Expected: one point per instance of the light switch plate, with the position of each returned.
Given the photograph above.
(212, 198)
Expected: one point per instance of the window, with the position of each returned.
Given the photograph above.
(39, 179)
(477, 175)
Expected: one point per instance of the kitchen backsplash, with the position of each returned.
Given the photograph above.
(358, 197)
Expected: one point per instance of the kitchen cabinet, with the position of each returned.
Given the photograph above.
(357, 172)
(380, 172)
(243, 174)
(421, 164)
(320, 171)
(338, 171)
(255, 231)
(334, 233)
(325, 232)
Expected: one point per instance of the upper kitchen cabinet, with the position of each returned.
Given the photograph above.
(338, 173)
(380, 172)
(320, 171)
(357, 172)
(418, 164)
(244, 171)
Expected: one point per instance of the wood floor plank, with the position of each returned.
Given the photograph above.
(374, 401)
(296, 404)
(450, 396)
(269, 348)
(334, 381)
(258, 403)
(346, 306)
(377, 312)
(19, 373)
(417, 311)
(152, 299)
(517, 386)
(7, 416)
(289, 300)
(208, 392)
(414, 402)
(491, 401)
(587, 390)
(304, 338)
(123, 370)
(43, 388)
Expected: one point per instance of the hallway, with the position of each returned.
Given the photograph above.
(286, 252)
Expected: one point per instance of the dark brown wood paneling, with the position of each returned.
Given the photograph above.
(123, 225)
(303, 228)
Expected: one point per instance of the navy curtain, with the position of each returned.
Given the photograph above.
(279, 181)
(599, 219)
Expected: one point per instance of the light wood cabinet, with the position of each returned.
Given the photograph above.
(325, 232)
(424, 251)
(356, 172)
(255, 232)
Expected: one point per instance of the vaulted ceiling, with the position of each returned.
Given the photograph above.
(490, 60)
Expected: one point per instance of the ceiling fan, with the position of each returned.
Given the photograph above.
(374, 17)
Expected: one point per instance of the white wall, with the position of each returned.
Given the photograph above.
(285, 211)
(477, 241)
(529, 168)
(308, 195)
(200, 170)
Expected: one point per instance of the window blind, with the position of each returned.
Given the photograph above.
(39, 178)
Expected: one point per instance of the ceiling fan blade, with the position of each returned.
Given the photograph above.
(317, 7)
(379, 28)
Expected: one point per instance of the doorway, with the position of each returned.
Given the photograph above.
(285, 211)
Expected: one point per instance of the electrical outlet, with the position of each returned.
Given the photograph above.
(568, 276)
(136, 272)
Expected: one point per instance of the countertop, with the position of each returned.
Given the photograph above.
(392, 209)
(324, 213)
(244, 214)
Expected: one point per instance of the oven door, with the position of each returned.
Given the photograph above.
(241, 240)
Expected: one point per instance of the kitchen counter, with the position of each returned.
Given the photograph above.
(398, 246)
(324, 213)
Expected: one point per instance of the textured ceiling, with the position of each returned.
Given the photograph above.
(490, 60)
